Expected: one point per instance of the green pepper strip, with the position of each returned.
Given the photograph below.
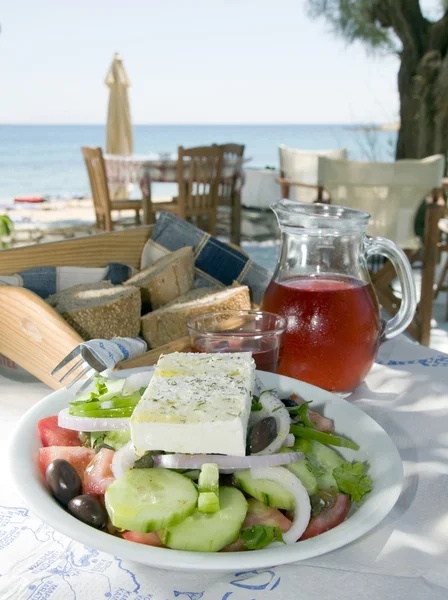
(325, 438)
(107, 405)
(107, 413)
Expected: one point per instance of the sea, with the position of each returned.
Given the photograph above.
(46, 160)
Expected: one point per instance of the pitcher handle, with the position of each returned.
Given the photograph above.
(402, 266)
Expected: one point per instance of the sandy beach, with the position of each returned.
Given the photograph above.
(55, 220)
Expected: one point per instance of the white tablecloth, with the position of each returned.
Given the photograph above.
(404, 558)
(135, 168)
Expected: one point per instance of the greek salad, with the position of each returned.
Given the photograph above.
(195, 455)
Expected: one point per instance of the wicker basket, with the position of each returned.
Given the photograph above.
(32, 333)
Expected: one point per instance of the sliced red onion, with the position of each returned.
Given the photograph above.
(138, 380)
(272, 407)
(226, 464)
(91, 424)
(290, 440)
(123, 460)
(302, 507)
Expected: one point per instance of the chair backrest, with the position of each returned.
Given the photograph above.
(231, 168)
(301, 166)
(198, 175)
(98, 183)
(390, 192)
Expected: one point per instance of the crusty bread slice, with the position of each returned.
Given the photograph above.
(195, 294)
(59, 297)
(104, 311)
(169, 277)
(170, 322)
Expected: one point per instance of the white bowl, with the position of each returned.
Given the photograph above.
(376, 447)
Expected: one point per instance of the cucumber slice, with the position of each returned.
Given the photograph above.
(302, 471)
(202, 532)
(149, 499)
(209, 478)
(323, 461)
(208, 483)
(208, 502)
(268, 492)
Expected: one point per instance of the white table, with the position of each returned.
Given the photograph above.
(404, 558)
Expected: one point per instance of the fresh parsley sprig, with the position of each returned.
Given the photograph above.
(260, 536)
(352, 480)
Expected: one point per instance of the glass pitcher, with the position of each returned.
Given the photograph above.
(321, 286)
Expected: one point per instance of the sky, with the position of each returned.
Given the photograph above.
(189, 61)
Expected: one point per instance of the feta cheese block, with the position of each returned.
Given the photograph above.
(196, 404)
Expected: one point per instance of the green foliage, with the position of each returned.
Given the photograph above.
(354, 20)
(6, 227)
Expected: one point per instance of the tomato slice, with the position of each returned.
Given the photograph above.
(150, 539)
(259, 514)
(79, 458)
(98, 476)
(53, 435)
(329, 517)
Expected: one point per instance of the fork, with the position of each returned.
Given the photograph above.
(89, 363)
(96, 356)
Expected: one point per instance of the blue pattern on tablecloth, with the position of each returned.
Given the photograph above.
(67, 569)
(438, 360)
(215, 261)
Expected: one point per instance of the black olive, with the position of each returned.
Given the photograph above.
(261, 435)
(63, 480)
(145, 462)
(89, 510)
(289, 403)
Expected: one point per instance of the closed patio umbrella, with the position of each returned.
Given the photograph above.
(119, 138)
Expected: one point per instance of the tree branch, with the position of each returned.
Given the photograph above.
(439, 35)
(409, 24)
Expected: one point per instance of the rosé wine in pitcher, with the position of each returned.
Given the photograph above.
(333, 329)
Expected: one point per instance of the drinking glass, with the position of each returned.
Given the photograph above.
(255, 331)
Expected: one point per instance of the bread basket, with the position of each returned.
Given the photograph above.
(32, 333)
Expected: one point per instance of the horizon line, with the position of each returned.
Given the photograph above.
(269, 124)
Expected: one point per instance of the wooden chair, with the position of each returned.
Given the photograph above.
(199, 173)
(392, 193)
(229, 191)
(298, 169)
(442, 284)
(100, 192)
